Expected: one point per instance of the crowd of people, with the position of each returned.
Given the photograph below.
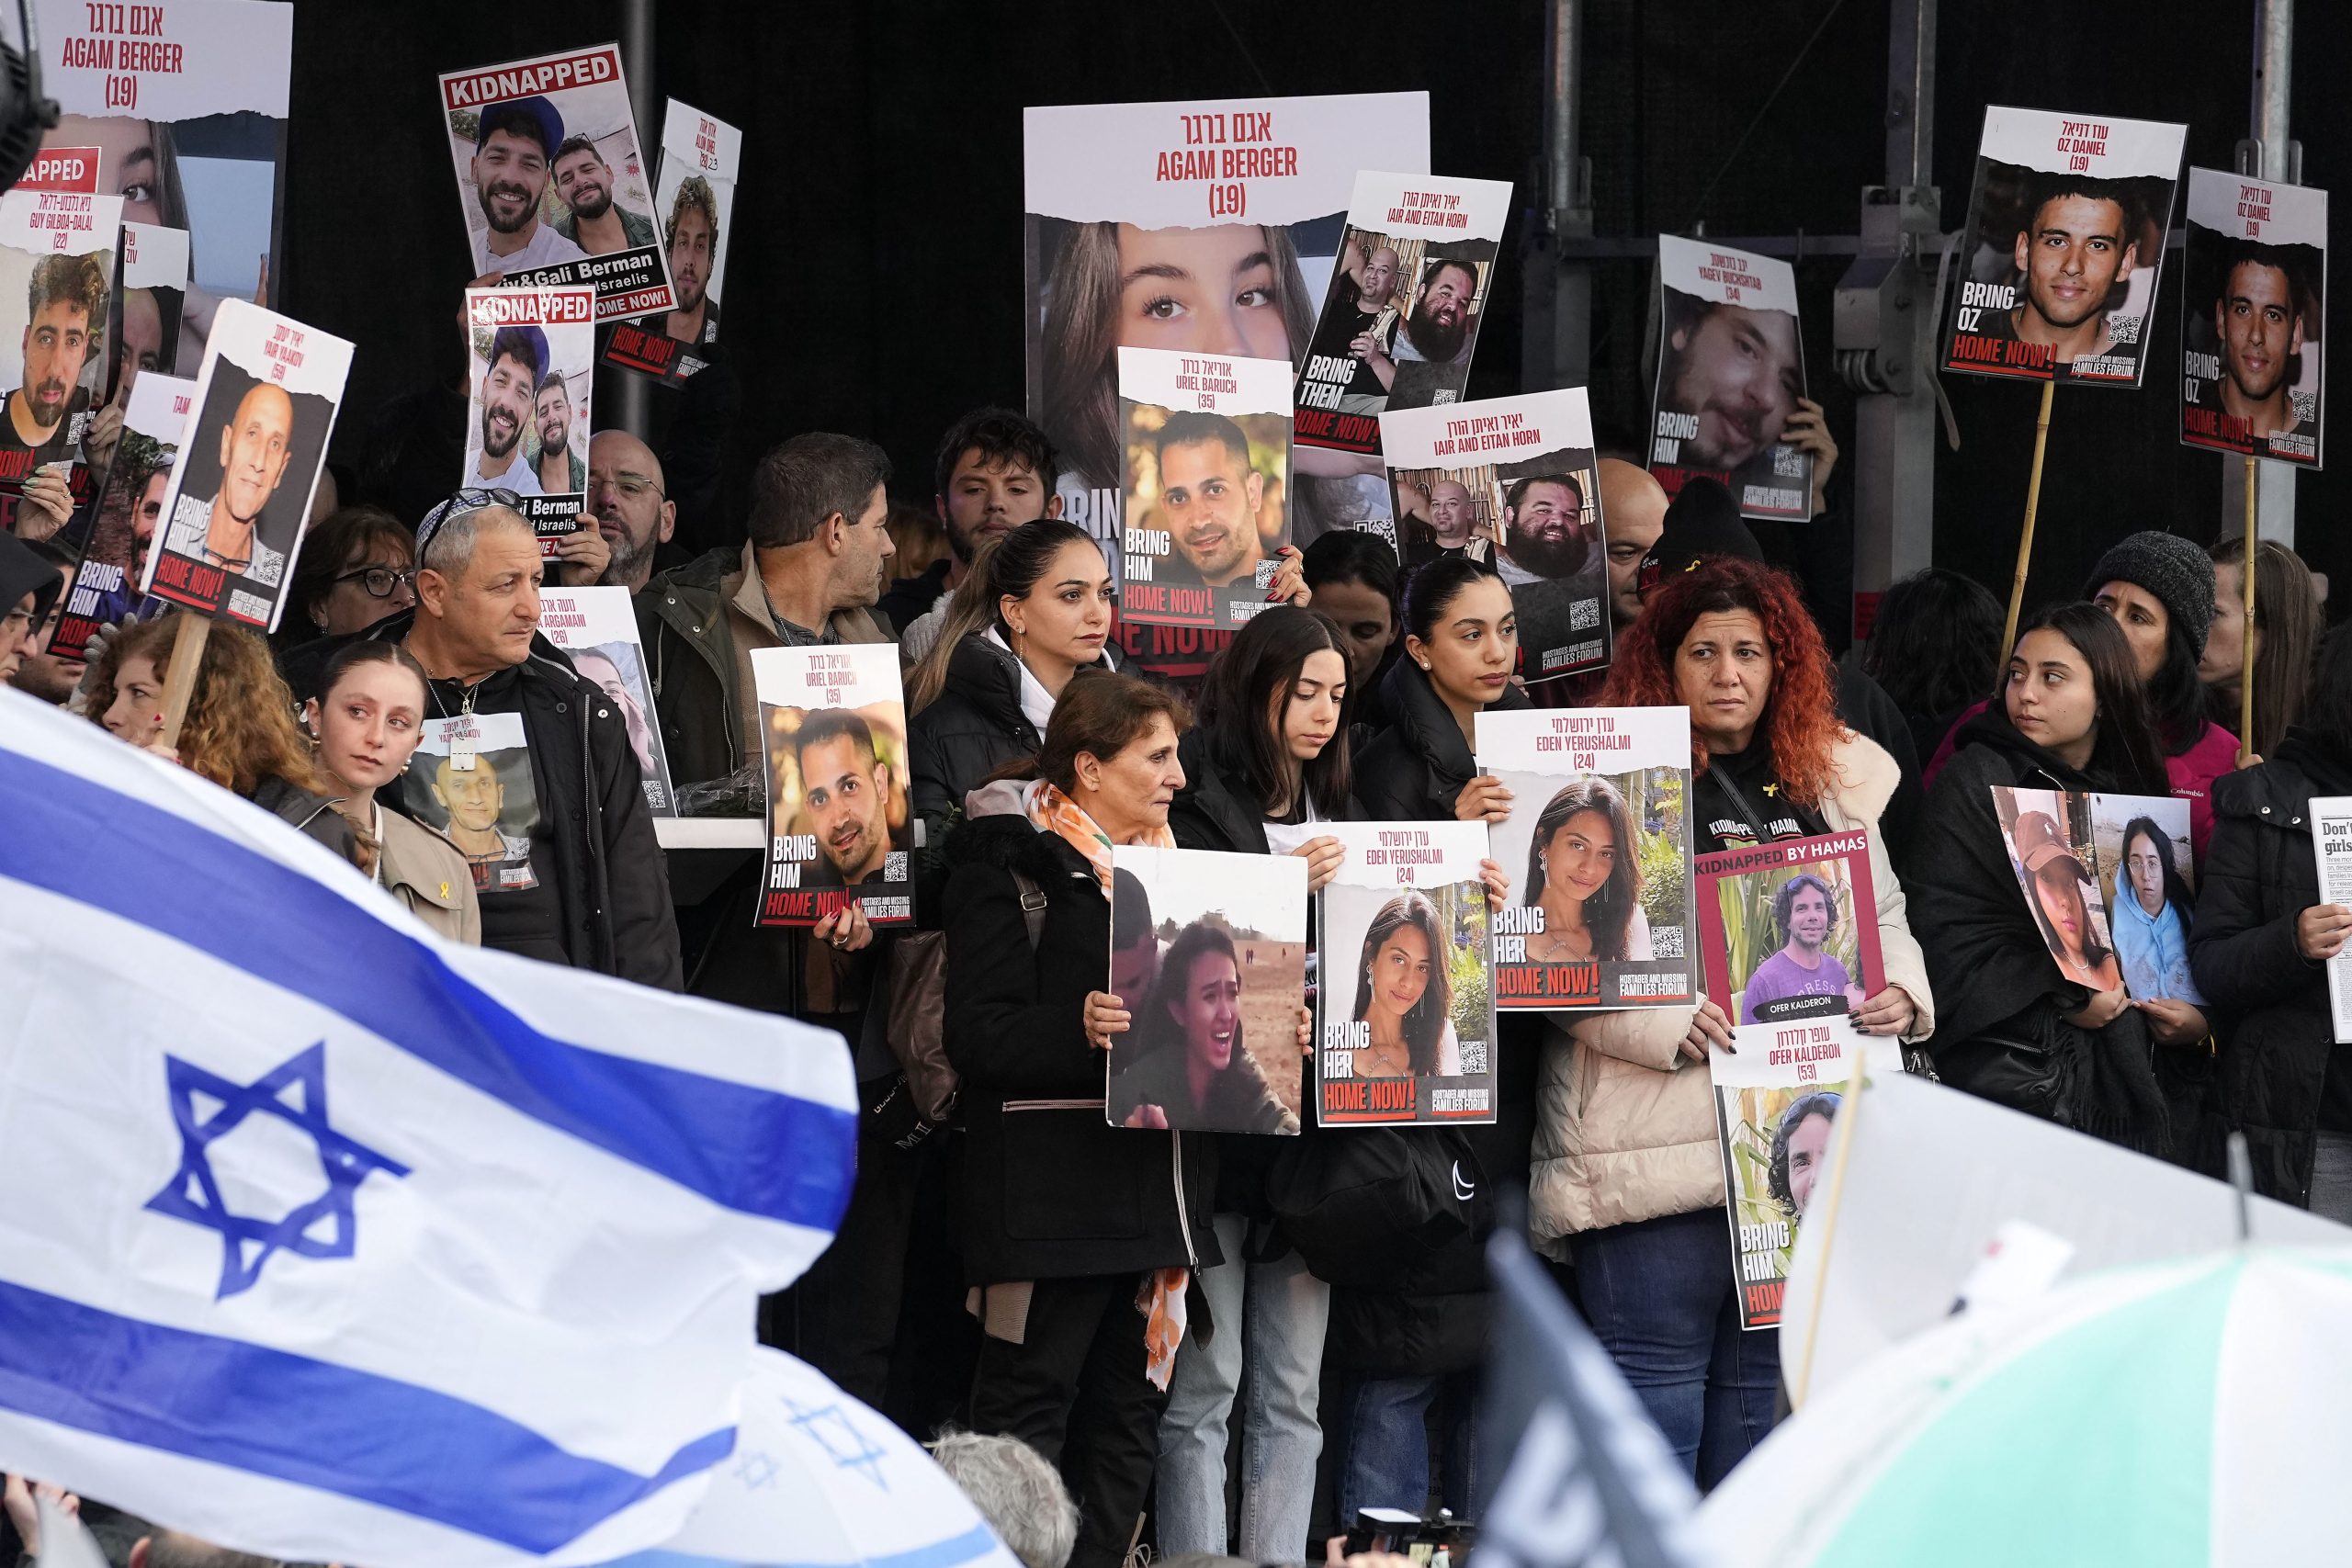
(1116, 1296)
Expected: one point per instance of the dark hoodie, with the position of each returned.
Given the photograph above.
(23, 572)
(1414, 770)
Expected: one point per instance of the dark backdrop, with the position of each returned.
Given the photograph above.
(875, 276)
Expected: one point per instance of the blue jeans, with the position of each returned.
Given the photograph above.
(1661, 1299)
(1270, 1318)
(1381, 1448)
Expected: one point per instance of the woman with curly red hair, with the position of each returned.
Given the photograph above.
(1627, 1178)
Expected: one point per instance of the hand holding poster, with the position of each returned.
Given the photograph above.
(2064, 245)
(2251, 315)
(1208, 447)
(598, 629)
(111, 540)
(532, 357)
(1400, 317)
(2332, 849)
(1598, 848)
(1790, 933)
(552, 184)
(1213, 948)
(266, 401)
(840, 824)
(1513, 481)
(1405, 1007)
(1730, 370)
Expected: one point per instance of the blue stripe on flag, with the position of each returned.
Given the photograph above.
(350, 1433)
(753, 1150)
(969, 1547)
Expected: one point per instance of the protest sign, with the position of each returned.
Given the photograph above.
(1405, 1009)
(2253, 311)
(2140, 855)
(2332, 848)
(240, 493)
(1206, 226)
(694, 194)
(552, 182)
(1730, 370)
(1209, 954)
(1513, 481)
(2047, 834)
(1598, 849)
(470, 781)
(57, 256)
(1400, 316)
(834, 732)
(150, 297)
(598, 629)
(1207, 451)
(110, 541)
(186, 102)
(531, 356)
(2065, 244)
(1789, 929)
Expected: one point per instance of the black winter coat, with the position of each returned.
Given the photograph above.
(1051, 1189)
(1416, 768)
(2276, 1032)
(971, 729)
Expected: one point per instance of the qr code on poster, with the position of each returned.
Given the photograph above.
(1788, 463)
(2305, 404)
(2124, 329)
(1665, 942)
(894, 866)
(1474, 1057)
(1584, 615)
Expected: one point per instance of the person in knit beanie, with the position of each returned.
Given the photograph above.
(2159, 588)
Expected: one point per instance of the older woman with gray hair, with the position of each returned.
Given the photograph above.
(1017, 1490)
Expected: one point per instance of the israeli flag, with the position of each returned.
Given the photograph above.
(323, 1239)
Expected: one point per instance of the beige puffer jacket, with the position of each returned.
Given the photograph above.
(1625, 1125)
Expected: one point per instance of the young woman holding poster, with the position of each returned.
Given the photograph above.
(2073, 716)
(1628, 1176)
(1461, 648)
(1271, 748)
(1078, 1234)
(2259, 946)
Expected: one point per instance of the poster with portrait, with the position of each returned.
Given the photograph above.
(1404, 1005)
(186, 102)
(1195, 227)
(2253, 312)
(150, 293)
(2052, 850)
(1777, 1100)
(240, 494)
(596, 627)
(840, 828)
(470, 781)
(2065, 244)
(1215, 946)
(1400, 314)
(1597, 849)
(531, 367)
(694, 195)
(1730, 370)
(57, 268)
(552, 184)
(1514, 481)
(2147, 876)
(111, 540)
(1207, 449)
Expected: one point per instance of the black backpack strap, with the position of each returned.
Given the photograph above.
(1033, 907)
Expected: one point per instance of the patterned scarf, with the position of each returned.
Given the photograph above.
(1161, 1299)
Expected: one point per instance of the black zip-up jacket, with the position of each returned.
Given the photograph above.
(611, 880)
(1051, 1189)
(1414, 770)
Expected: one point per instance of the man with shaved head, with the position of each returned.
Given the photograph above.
(631, 505)
(225, 531)
(1447, 519)
(1349, 360)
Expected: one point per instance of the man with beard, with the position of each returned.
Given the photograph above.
(146, 516)
(594, 221)
(1442, 323)
(513, 145)
(1543, 536)
(66, 309)
(625, 496)
(2076, 251)
(1208, 499)
(693, 234)
(845, 794)
(560, 471)
(255, 448)
(2259, 322)
(995, 471)
(518, 357)
(1806, 912)
(1740, 371)
(1351, 342)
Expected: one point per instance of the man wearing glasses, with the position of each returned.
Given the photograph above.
(630, 504)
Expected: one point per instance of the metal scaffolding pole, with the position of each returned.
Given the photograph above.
(1555, 338)
(2268, 154)
(625, 401)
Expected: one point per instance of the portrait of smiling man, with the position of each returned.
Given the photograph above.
(257, 450)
